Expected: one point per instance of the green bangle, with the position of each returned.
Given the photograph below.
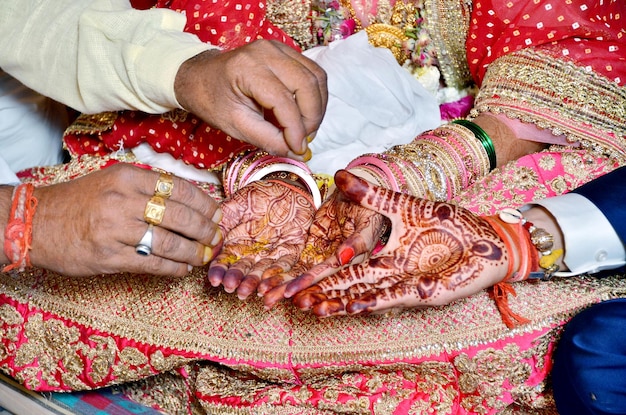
(484, 139)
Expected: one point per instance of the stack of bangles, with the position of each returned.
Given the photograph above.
(437, 165)
(258, 165)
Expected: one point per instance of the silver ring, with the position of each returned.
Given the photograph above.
(144, 247)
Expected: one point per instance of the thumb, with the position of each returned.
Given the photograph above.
(358, 190)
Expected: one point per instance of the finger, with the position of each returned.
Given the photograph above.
(153, 264)
(309, 297)
(365, 303)
(312, 105)
(275, 275)
(251, 281)
(273, 296)
(218, 268)
(315, 69)
(315, 274)
(356, 299)
(295, 93)
(188, 211)
(172, 246)
(346, 253)
(328, 308)
(236, 273)
(395, 295)
(358, 190)
(353, 280)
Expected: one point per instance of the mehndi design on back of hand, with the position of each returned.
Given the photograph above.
(437, 253)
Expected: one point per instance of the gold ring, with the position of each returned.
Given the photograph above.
(155, 210)
(164, 186)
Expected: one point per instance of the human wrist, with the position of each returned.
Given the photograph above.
(506, 142)
(189, 78)
(18, 231)
(542, 218)
(545, 253)
(259, 165)
(6, 193)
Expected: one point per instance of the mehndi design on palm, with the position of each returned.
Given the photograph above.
(264, 223)
(437, 253)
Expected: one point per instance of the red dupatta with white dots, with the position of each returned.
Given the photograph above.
(589, 33)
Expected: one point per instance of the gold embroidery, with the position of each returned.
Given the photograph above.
(293, 17)
(390, 37)
(285, 355)
(92, 123)
(176, 115)
(537, 88)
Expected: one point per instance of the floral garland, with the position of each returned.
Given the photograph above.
(330, 22)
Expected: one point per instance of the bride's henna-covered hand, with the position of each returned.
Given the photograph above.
(437, 253)
(342, 232)
(263, 223)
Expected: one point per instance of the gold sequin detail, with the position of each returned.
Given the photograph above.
(92, 123)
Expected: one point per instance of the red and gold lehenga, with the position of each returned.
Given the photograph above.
(184, 347)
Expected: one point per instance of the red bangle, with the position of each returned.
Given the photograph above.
(18, 234)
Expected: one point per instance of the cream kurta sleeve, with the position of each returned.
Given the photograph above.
(96, 55)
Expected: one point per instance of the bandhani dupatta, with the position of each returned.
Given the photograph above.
(587, 33)
(226, 24)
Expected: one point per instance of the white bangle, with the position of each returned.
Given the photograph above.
(306, 177)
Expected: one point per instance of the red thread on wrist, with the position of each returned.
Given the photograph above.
(18, 234)
(518, 248)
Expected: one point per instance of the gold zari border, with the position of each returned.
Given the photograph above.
(182, 314)
(555, 94)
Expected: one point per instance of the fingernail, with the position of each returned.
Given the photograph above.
(217, 216)
(208, 255)
(311, 137)
(189, 268)
(307, 155)
(294, 156)
(346, 256)
(217, 238)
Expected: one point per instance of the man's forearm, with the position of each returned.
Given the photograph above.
(96, 55)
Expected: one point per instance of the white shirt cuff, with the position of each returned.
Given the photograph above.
(591, 243)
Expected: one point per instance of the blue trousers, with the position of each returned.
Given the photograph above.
(589, 373)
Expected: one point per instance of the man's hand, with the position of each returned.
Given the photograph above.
(92, 224)
(264, 93)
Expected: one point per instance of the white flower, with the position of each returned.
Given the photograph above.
(429, 78)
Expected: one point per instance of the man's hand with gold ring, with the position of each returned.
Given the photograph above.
(164, 186)
(107, 223)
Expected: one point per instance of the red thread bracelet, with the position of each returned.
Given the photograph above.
(18, 234)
